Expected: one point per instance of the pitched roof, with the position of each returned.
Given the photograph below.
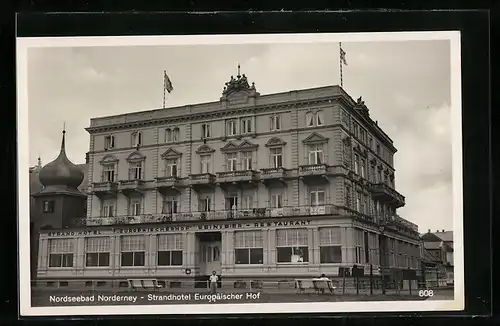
(431, 237)
(446, 236)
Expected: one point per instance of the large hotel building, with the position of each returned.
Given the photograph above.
(254, 187)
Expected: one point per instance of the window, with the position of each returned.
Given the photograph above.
(370, 142)
(231, 161)
(292, 246)
(275, 122)
(108, 208)
(48, 206)
(378, 149)
(231, 128)
(61, 252)
(231, 202)
(246, 161)
(319, 118)
(135, 171)
(170, 250)
(358, 245)
(133, 249)
(348, 196)
(367, 248)
(206, 131)
(372, 174)
(135, 207)
(358, 202)
(309, 119)
(136, 139)
(315, 154)
(171, 170)
(205, 163)
(363, 135)
(108, 174)
(356, 129)
(363, 168)
(379, 176)
(97, 252)
(169, 206)
(356, 163)
(109, 142)
(246, 125)
(365, 205)
(247, 202)
(248, 247)
(172, 135)
(277, 157)
(330, 245)
(276, 201)
(205, 204)
(317, 198)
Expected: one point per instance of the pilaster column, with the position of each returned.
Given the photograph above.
(43, 256)
(189, 254)
(116, 260)
(112, 251)
(314, 250)
(348, 244)
(228, 248)
(79, 256)
(265, 247)
(271, 249)
(151, 242)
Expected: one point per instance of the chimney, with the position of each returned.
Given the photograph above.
(442, 230)
(86, 158)
(428, 230)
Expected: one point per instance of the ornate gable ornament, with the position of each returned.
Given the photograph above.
(239, 87)
(361, 107)
(171, 153)
(347, 141)
(315, 138)
(136, 156)
(205, 149)
(109, 158)
(229, 147)
(247, 145)
(275, 141)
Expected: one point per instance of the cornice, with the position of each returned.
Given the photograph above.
(210, 114)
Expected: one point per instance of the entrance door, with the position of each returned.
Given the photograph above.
(210, 257)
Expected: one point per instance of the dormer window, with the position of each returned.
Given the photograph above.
(246, 125)
(109, 142)
(231, 128)
(275, 122)
(48, 206)
(136, 139)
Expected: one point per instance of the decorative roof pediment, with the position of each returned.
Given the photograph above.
(275, 141)
(247, 145)
(315, 138)
(109, 159)
(171, 153)
(347, 141)
(136, 156)
(229, 147)
(205, 149)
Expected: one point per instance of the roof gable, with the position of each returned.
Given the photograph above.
(315, 138)
(171, 153)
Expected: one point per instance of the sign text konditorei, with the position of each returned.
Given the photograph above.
(183, 227)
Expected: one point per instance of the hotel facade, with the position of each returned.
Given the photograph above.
(254, 187)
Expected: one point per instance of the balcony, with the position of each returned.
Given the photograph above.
(273, 175)
(105, 188)
(131, 187)
(166, 184)
(203, 180)
(219, 215)
(386, 194)
(248, 177)
(313, 173)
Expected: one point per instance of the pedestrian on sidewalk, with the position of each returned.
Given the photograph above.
(213, 282)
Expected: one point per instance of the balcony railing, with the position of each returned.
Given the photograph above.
(168, 181)
(236, 176)
(298, 211)
(272, 173)
(313, 171)
(202, 178)
(385, 192)
(105, 186)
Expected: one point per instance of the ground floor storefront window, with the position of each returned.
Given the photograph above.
(292, 246)
(330, 245)
(170, 248)
(133, 249)
(61, 252)
(248, 247)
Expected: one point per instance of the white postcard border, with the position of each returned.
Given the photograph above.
(22, 46)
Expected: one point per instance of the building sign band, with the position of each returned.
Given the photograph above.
(185, 227)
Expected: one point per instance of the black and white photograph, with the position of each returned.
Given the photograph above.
(258, 173)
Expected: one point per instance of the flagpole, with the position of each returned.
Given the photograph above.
(340, 63)
(164, 87)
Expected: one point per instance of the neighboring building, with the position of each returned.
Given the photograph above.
(253, 186)
(438, 248)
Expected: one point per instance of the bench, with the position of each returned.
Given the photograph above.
(316, 284)
(146, 284)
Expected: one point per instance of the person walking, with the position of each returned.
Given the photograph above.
(213, 282)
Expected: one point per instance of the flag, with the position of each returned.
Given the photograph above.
(167, 83)
(342, 56)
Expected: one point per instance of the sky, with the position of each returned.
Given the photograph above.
(405, 84)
